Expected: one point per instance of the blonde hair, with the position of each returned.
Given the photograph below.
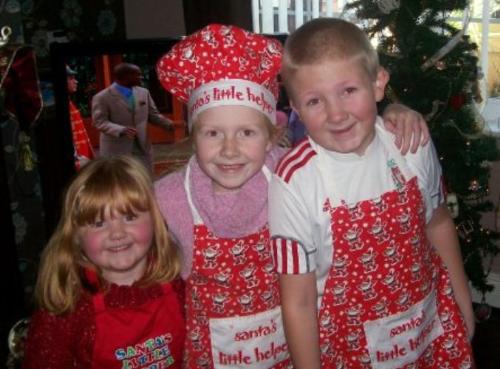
(120, 184)
(327, 39)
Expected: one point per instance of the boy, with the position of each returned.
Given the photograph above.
(367, 253)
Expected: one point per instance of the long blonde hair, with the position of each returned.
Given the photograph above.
(120, 184)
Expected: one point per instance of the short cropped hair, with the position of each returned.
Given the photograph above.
(327, 39)
(120, 71)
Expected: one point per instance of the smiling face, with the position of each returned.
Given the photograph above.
(231, 144)
(336, 100)
(118, 244)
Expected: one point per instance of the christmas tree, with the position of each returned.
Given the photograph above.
(434, 70)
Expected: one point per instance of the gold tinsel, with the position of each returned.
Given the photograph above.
(25, 155)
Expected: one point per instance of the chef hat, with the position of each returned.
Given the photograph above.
(223, 65)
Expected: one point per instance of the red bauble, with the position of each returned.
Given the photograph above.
(457, 101)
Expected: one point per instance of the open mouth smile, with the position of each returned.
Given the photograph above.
(230, 167)
(340, 131)
(119, 248)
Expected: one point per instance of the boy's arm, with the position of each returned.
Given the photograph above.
(294, 257)
(442, 234)
(407, 125)
(298, 304)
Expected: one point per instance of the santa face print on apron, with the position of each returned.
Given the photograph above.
(232, 301)
(147, 336)
(388, 301)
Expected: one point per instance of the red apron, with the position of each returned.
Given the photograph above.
(148, 335)
(389, 304)
(232, 301)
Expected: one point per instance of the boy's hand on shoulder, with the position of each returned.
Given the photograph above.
(280, 137)
(407, 125)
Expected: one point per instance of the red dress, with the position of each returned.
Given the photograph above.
(128, 327)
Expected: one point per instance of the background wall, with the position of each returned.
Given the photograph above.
(154, 18)
(199, 13)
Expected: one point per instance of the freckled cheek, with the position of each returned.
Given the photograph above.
(144, 234)
(313, 124)
(312, 119)
(206, 152)
(255, 150)
(91, 244)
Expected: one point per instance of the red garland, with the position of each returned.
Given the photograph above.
(457, 101)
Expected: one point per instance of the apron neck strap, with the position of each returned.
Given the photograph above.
(187, 187)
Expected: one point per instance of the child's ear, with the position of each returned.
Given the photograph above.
(380, 83)
(292, 106)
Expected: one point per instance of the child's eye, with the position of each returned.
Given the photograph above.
(248, 132)
(98, 223)
(350, 90)
(130, 217)
(312, 102)
(211, 133)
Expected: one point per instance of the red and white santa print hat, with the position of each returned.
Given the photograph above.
(223, 65)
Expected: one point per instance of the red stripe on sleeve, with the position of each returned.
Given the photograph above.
(284, 261)
(296, 166)
(295, 257)
(285, 161)
(274, 244)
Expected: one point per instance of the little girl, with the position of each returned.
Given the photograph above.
(107, 287)
(216, 208)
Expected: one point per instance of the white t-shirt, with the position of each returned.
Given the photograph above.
(310, 174)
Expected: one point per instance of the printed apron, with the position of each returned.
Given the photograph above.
(147, 336)
(232, 301)
(388, 300)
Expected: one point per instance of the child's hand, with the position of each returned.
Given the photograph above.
(468, 315)
(408, 125)
(470, 323)
(280, 137)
